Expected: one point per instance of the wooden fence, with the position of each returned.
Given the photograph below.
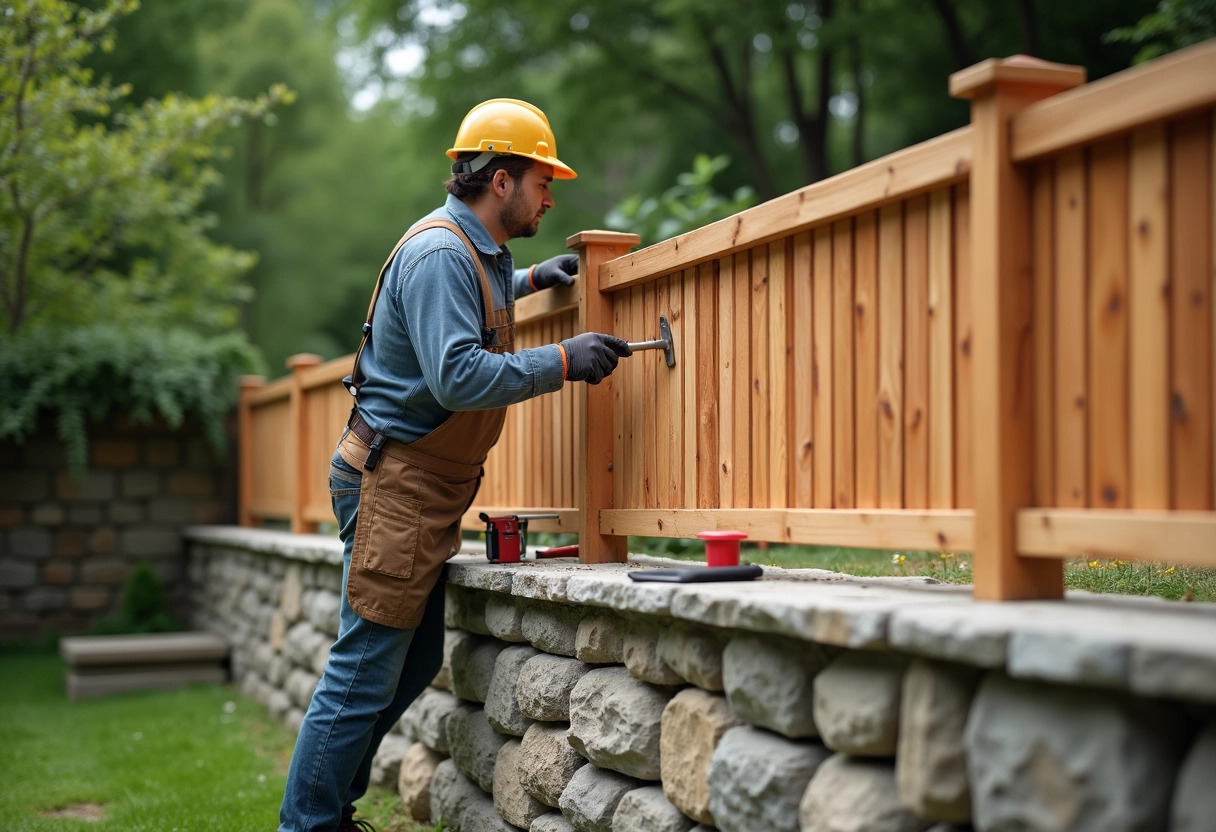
(1000, 341)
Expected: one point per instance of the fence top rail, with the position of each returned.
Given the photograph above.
(935, 163)
(328, 373)
(1167, 87)
(278, 390)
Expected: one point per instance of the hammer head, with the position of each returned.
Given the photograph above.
(669, 348)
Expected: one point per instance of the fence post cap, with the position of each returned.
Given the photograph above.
(610, 238)
(303, 359)
(1021, 70)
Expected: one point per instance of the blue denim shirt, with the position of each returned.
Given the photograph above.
(424, 358)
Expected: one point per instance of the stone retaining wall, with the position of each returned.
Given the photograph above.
(573, 698)
(68, 544)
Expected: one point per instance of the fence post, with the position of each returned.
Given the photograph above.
(245, 461)
(1002, 281)
(595, 451)
(299, 442)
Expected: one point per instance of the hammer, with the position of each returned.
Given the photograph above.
(663, 343)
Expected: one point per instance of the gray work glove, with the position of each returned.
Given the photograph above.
(555, 271)
(592, 356)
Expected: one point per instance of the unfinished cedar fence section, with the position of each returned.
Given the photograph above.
(1000, 341)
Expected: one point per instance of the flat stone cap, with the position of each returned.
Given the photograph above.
(150, 648)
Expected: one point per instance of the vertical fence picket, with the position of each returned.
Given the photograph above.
(964, 424)
(1070, 341)
(865, 340)
(1043, 243)
(821, 368)
(916, 353)
(802, 386)
(1191, 327)
(778, 372)
(726, 382)
(741, 395)
(1108, 412)
(941, 350)
(844, 435)
(1148, 306)
(891, 356)
(707, 399)
(759, 387)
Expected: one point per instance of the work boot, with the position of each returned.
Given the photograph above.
(349, 824)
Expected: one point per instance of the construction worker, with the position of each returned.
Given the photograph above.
(432, 380)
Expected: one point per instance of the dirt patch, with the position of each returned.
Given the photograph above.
(78, 811)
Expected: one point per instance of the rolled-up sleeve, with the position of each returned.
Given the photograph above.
(440, 301)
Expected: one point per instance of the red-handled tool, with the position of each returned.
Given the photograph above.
(507, 538)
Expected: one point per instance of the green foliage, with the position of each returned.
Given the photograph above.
(145, 609)
(689, 204)
(99, 214)
(1175, 25)
(74, 375)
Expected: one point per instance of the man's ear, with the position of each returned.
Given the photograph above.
(499, 182)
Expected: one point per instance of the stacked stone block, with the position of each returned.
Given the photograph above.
(573, 699)
(69, 543)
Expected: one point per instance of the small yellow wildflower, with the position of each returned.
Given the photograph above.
(898, 559)
(1093, 564)
(947, 555)
(1169, 571)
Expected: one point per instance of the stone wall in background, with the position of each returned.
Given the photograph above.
(68, 544)
(573, 698)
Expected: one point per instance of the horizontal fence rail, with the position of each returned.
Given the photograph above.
(1001, 341)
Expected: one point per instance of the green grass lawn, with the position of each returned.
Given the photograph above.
(199, 759)
(1110, 576)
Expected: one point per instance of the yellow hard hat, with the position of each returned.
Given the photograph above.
(511, 126)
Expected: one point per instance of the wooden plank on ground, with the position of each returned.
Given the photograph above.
(944, 529)
(891, 357)
(865, 340)
(821, 369)
(1191, 302)
(1071, 270)
(941, 350)
(802, 382)
(916, 353)
(1108, 412)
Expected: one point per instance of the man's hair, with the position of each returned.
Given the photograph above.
(470, 186)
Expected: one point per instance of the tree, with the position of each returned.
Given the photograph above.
(99, 199)
(114, 297)
(1174, 25)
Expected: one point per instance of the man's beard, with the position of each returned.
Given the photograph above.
(518, 220)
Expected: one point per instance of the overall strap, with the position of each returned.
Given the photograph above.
(486, 297)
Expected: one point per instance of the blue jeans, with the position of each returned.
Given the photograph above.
(374, 672)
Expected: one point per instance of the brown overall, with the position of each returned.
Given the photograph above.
(411, 503)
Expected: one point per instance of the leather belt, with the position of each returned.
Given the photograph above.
(360, 428)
